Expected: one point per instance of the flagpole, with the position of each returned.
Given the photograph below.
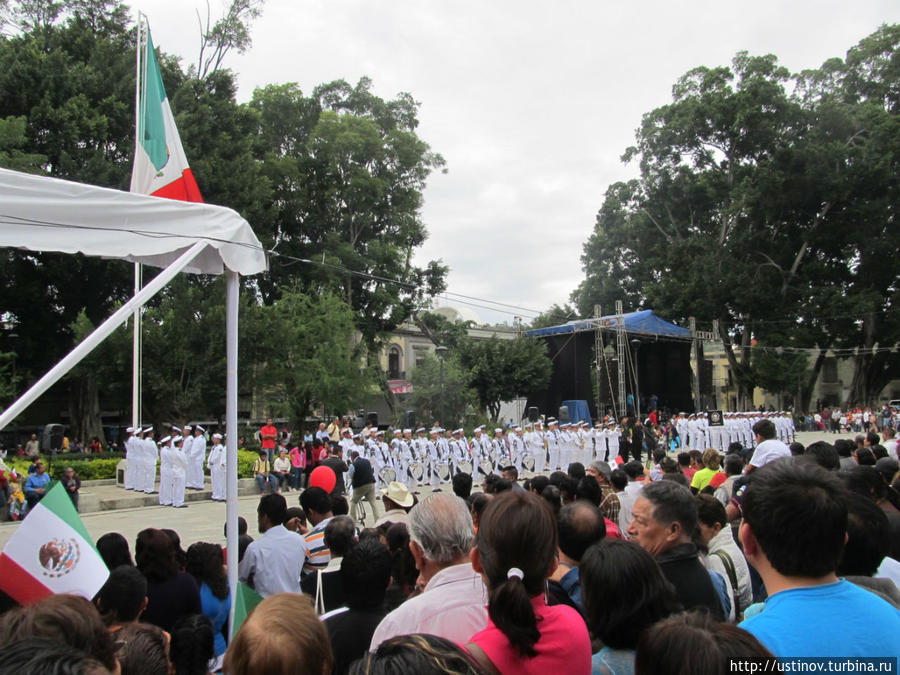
(136, 341)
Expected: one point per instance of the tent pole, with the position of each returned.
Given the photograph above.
(103, 331)
(232, 289)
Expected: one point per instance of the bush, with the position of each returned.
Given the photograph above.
(99, 467)
(94, 469)
(246, 460)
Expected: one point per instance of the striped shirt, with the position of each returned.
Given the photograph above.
(317, 553)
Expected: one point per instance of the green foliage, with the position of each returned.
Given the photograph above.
(441, 331)
(778, 371)
(335, 177)
(310, 345)
(232, 31)
(12, 140)
(8, 382)
(94, 469)
(347, 170)
(764, 202)
(556, 316)
(501, 370)
(246, 459)
(427, 397)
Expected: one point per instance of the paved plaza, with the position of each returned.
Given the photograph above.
(205, 520)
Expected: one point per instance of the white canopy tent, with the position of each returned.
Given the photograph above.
(38, 213)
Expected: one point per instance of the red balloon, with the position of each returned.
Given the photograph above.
(323, 477)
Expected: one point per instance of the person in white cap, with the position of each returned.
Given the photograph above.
(187, 437)
(196, 457)
(395, 450)
(129, 459)
(179, 472)
(431, 452)
(406, 459)
(613, 436)
(346, 441)
(216, 464)
(553, 442)
(534, 445)
(443, 447)
(566, 446)
(480, 450)
(166, 459)
(516, 447)
(500, 447)
(137, 460)
(381, 456)
(459, 452)
(151, 457)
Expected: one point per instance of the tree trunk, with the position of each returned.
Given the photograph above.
(859, 385)
(84, 408)
(806, 392)
(389, 397)
(738, 368)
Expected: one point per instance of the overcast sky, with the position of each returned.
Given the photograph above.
(531, 103)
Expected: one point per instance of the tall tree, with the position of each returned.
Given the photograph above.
(501, 370)
(309, 359)
(750, 180)
(451, 393)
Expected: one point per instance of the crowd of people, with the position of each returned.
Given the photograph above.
(672, 567)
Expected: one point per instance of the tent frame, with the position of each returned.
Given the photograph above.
(120, 316)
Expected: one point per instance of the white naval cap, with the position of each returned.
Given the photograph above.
(165, 440)
(199, 428)
(217, 435)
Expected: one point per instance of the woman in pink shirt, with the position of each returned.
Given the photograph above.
(298, 463)
(515, 553)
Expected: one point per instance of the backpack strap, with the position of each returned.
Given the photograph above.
(732, 577)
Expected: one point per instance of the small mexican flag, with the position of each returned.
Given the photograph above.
(51, 552)
(245, 601)
(160, 165)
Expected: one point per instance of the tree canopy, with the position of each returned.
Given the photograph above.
(766, 201)
(331, 182)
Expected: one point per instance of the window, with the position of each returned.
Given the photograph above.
(394, 363)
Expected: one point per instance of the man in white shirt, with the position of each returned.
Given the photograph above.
(635, 472)
(889, 442)
(453, 602)
(272, 564)
(768, 448)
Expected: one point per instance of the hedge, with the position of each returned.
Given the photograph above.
(104, 467)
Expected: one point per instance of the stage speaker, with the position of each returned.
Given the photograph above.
(372, 418)
(533, 415)
(409, 421)
(563, 413)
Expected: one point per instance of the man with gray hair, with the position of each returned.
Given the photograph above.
(454, 600)
(664, 518)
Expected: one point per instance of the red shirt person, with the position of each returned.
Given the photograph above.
(267, 436)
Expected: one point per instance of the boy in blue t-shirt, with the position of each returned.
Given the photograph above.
(794, 529)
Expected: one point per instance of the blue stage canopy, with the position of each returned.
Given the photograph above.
(644, 323)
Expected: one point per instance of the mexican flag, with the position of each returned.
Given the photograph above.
(245, 601)
(160, 166)
(51, 552)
